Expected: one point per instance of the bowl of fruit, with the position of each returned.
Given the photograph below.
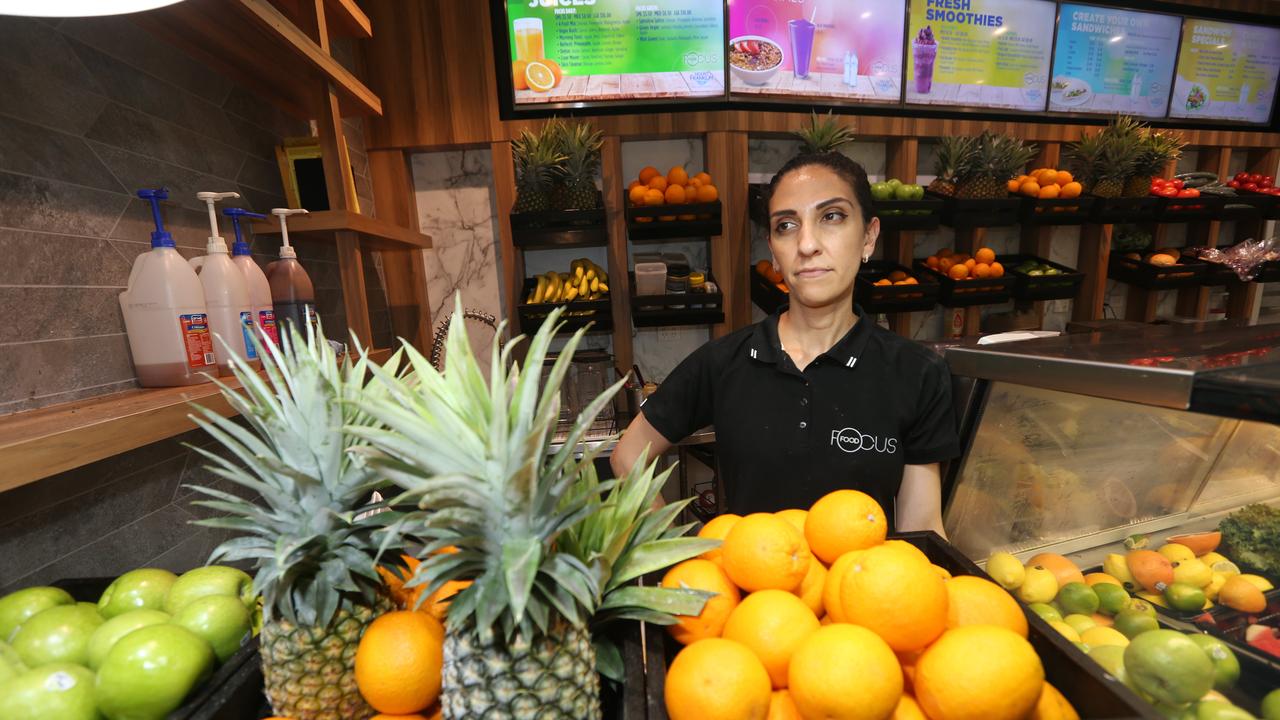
(754, 59)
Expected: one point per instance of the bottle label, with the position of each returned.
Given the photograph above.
(267, 321)
(312, 320)
(246, 329)
(197, 340)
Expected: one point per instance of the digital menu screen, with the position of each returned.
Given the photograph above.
(980, 53)
(1111, 61)
(600, 50)
(1226, 71)
(843, 49)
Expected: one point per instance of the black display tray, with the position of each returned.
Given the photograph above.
(1109, 211)
(577, 314)
(958, 213)
(1093, 693)
(923, 214)
(233, 692)
(1196, 209)
(1058, 211)
(1234, 208)
(1268, 205)
(968, 292)
(1044, 287)
(559, 228)
(894, 298)
(705, 223)
(701, 308)
(1186, 273)
(765, 294)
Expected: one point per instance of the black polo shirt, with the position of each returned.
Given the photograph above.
(784, 437)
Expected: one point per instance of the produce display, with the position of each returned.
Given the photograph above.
(677, 187)
(584, 281)
(823, 134)
(1254, 183)
(978, 167)
(895, 189)
(556, 167)
(816, 615)
(897, 277)
(1121, 159)
(962, 266)
(766, 270)
(149, 641)
(1033, 268)
(1046, 184)
(1160, 257)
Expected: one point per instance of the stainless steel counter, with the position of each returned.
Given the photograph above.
(608, 442)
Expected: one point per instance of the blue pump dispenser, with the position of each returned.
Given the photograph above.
(159, 237)
(240, 247)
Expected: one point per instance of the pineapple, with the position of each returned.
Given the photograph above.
(1155, 151)
(578, 177)
(1105, 159)
(537, 157)
(315, 561)
(550, 548)
(823, 135)
(993, 160)
(951, 152)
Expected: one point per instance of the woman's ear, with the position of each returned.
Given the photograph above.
(869, 238)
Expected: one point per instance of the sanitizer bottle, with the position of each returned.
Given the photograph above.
(225, 294)
(292, 294)
(264, 316)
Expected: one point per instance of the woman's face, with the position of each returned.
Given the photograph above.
(817, 235)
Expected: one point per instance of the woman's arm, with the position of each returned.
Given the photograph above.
(920, 499)
(638, 435)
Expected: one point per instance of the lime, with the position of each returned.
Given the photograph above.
(1111, 598)
(1271, 706)
(1142, 606)
(1080, 623)
(1184, 597)
(1046, 612)
(1220, 710)
(1226, 668)
(1099, 636)
(1169, 667)
(1078, 599)
(1133, 623)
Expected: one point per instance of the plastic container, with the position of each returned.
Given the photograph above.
(264, 315)
(697, 286)
(225, 294)
(164, 313)
(677, 281)
(292, 295)
(651, 278)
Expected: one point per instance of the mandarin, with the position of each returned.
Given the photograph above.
(703, 178)
(1062, 178)
(658, 182)
(763, 552)
(969, 263)
(674, 195)
(831, 587)
(1049, 192)
(836, 658)
(699, 574)
(399, 661)
(1030, 188)
(782, 707)
(707, 193)
(1014, 184)
(677, 176)
(981, 270)
(932, 261)
(973, 600)
(997, 270)
(895, 592)
(1071, 190)
(945, 264)
(979, 672)
(958, 272)
(637, 194)
(772, 624)
(810, 590)
(718, 528)
(985, 255)
(717, 679)
(654, 197)
(648, 173)
(844, 520)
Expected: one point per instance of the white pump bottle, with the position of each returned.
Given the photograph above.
(226, 295)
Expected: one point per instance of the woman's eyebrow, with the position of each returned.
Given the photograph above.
(819, 206)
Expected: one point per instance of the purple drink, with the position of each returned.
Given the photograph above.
(924, 49)
(801, 45)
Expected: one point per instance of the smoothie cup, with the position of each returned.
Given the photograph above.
(923, 56)
(801, 45)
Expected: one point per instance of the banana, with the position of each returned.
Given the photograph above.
(577, 273)
(570, 294)
(595, 296)
(553, 288)
(604, 287)
(595, 285)
(540, 291)
(584, 287)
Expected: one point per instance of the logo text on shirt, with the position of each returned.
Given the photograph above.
(852, 440)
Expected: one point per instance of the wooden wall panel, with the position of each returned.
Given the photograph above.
(504, 195)
(405, 270)
(726, 158)
(613, 183)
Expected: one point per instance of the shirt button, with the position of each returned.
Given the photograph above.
(803, 424)
(804, 401)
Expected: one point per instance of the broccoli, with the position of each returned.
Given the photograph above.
(1251, 536)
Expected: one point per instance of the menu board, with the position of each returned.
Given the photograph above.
(980, 53)
(1113, 61)
(844, 49)
(598, 50)
(1226, 71)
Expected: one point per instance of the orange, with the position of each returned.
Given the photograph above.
(1049, 192)
(648, 173)
(763, 552)
(517, 74)
(703, 178)
(895, 592)
(997, 270)
(1063, 178)
(1098, 577)
(717, 529)
(1053, 706)
(675, 195)
(438, 603)
(1013, 185)
(831, 587)
(693, 183)
(932, 261)
(970, 263)
(658, 182)
(555, 70)
(974, 601)
(637, 193)
(699, 574)
(946, 252)
(677, 176)
(793, 515)
(717, 679)
(1238, 593)
(654, 197)
(707, 192)
(958, 272)
(1048, 176)
(1030, 188)
(1062, 568)
(985, 255)
(844, 520)
(1071, 190)
(944, 264)
(981, 270)
(845, 672)
(398, 662)
(772, 624)
(810, 590)
(908, 709)
(540, 77)
(883, 281)
(943, 573)
(979, 672)
(412, 716)
(782, 707)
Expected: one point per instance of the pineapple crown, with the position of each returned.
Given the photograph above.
(313, 548)
(1109, 154)
(823, 135)
(540, 536)
(952, 151)
(1157, 149)
(581, 145)
(538, 155)
(996, 156)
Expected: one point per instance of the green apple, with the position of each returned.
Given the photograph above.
(59, 634)
(1168, 666)
(223, 621)
(117, 627)
(1220, 710)
(209, 580)
(1271, 705)
(894, 183)
(1226, 668)
(59, 690)
(147, 673)
(139, 589)
(881, 191)
(19, 605)
(908, 191)
(10, 664)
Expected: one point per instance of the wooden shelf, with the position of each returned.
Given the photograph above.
(379, 233)
(40, 443)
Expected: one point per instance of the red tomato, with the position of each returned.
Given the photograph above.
(1255, 178)
(1250, 187)
(1176, 183)
(1234, 184)
(1157, 182)
(1242, 177)
(1189, 193)
(1165, 191)
(1267, 181)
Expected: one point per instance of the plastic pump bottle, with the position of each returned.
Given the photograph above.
(292, 294)
(264, 316)
(164, 313)
(225, 293)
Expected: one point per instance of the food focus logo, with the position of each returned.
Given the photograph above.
(852, 440)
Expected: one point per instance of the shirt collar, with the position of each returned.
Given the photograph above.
(766, 347)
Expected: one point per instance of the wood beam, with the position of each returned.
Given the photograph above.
(614, 182)
(902, 156)
(504, 195)
(1193, 302)
(727, 159)
(405, 269)
(349, 19)
(1094, 253)
(354, 294)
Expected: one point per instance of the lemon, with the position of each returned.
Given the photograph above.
(1154, 598)
(1211, 590)
(1040, 586)
(1192, 572)
(1098, 636)
(1065, 630)
(1176, 552)
(1080, 623)
(1006, 570)
(1226, 568)
(1259, 582)
(1117, 566)
(1210, 558)
(539, 76)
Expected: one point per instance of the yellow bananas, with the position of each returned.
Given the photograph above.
(584, 281)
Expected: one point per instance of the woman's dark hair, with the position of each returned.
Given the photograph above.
(848, 170)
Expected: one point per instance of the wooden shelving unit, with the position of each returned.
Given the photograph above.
(379, 234)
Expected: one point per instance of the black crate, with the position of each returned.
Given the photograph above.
(1108, 211)
(1216, 274)
(767, 296)
(559, 228)
(1042, 287)
(923, 214)
(894, 298)
(233, 692)
(958, 213)
(1057, 211)
(1196, 209)
(1268, 205)
(968, 292)
(577, 314)
(691, 308)
(1270, 272)
(1093, 693)
(1235, 209)
(700, 220)
(1186, 273)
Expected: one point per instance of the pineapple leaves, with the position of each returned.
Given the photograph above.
(657, 555)
(673, 601)
(609, 659)
(520, 562)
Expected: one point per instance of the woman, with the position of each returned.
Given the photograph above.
(817, 397)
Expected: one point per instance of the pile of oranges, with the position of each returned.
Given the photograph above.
(766, 270)
(897, 277)
(816, 615)
(677, 187)
(1046, 184)
(962, 266)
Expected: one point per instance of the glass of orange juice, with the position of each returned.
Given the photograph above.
(528, 39)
